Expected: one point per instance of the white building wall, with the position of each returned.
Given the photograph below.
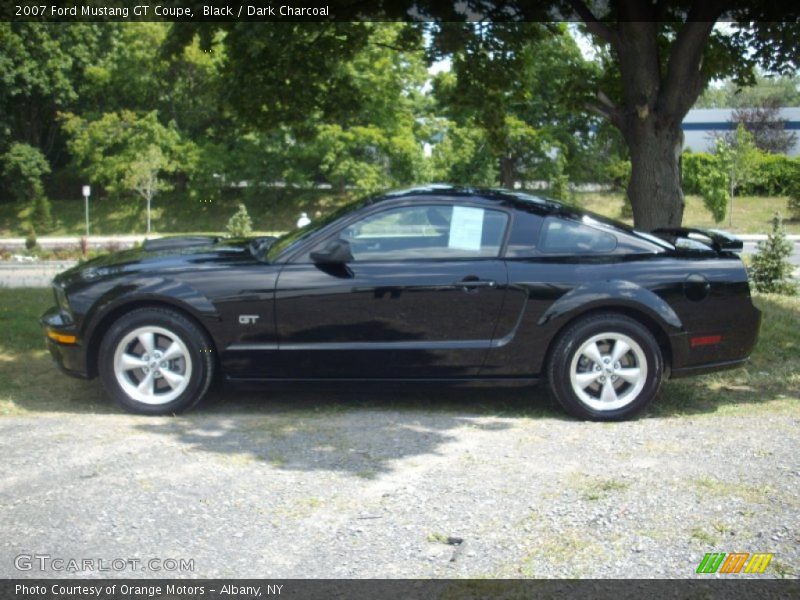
(700, 125)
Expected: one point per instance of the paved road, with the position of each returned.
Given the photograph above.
(36, 274)
(95, 241)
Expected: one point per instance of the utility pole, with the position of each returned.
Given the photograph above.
(86, 193)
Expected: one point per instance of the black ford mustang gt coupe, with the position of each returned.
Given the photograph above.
(430, 284)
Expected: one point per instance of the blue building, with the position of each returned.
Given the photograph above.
(701, 124)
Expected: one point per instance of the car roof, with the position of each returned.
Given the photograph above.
(537, 204)
(519, 199)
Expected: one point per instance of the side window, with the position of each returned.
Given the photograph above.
(427, 231)
(524, 237)
(561, 236)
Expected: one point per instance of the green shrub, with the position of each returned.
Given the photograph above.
(713, 186)
(773, 175)
(559, 187)
(23, 169)
(771, 271)
(694, 166)
(558, 182)
(461, 156)
(41, 216)
(619, 172)
(794, 198)
(30, 239)
(240, 224)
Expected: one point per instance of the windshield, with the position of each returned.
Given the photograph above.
(298, 235)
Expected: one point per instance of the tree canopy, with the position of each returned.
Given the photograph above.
(520, 85)
(764, 91)
(205, 107)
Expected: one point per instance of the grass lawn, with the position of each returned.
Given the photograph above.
(751, 214)
(278, 209)
(30, 383)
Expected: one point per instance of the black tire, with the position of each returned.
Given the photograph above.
(197, 359)
(590, 402)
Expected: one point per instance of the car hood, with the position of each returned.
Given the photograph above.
(152, 258)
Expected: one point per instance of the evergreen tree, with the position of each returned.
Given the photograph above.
(771, 271)
(240, 224)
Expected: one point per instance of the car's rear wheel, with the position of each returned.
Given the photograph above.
(605, 367)
(156, 361)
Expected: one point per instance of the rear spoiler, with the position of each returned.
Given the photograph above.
(720, 241)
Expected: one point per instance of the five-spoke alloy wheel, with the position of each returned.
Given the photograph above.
(152, 365)
(605, 367)
(156, 361)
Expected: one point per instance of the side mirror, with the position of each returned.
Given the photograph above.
(335, 253)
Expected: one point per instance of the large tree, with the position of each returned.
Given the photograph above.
(660, 55)
(334, 102)
(42, 72)
(663, 55)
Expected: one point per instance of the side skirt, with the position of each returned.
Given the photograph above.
(236, 382)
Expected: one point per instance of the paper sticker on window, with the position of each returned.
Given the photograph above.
(466, 228)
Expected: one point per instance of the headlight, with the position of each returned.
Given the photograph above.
(61, 298)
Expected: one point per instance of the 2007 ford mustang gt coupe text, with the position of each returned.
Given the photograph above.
(430, 284)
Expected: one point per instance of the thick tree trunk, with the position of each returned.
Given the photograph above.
(656, 95)
(655, 186)
(507, 172)
(181, 181)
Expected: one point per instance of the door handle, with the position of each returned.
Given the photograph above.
(472, 284)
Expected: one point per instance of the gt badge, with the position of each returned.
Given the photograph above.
(248, 319)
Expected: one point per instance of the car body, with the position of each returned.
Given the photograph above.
(436, 283)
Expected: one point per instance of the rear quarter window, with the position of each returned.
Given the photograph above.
(561, 236)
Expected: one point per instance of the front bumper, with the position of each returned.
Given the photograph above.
(70, 357)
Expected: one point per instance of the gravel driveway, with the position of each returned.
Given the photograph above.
(420, 483)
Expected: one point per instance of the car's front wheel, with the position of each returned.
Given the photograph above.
(605, 367)
(156, 361)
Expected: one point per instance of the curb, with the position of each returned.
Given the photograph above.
(758, 237)
(98, 241)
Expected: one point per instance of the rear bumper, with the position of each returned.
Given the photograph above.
(697, 352)
(707, 368)
(70, 358)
